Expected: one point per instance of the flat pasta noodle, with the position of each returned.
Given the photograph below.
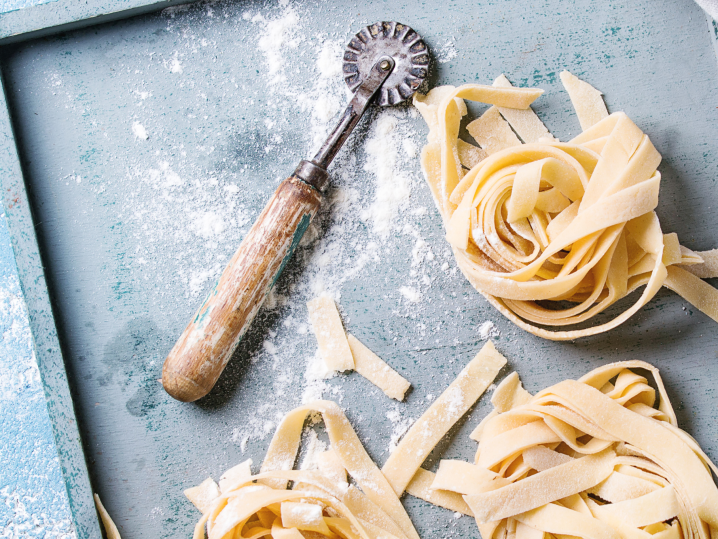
(587, 101)
(525, 122)
(420, 486)
(374, 369)
(443, 413)
(111, 530)
(329, 331)
(548, 221)
(320, 501)
(616, 467)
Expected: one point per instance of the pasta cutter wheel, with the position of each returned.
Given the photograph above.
(384, 63)
(404, 45)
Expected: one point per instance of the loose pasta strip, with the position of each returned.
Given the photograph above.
(614, 466)
(328, 329)
(111, 530)
(373, 368)
(587, 101)
(420, 486)
(443, 413)
(565, 222)
(527, 125)
(342, 352)
(469, 155)
(322, 502)
(492, 132)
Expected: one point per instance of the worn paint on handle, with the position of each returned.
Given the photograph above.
(201, 353)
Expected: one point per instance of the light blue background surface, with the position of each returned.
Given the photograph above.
(12, 5)
(33, 501)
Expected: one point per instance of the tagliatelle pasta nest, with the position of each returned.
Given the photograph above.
(545, 220)
(319, 502)
(587, 458)
(322, 503)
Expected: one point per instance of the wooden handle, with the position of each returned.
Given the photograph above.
(201, 353)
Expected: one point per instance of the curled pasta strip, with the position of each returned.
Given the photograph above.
(546, 220)
(592, 458)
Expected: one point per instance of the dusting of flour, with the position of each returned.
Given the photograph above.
(392, 185)
(488, 330)
(139, 131)
(277, 40)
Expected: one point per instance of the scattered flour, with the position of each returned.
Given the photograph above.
(447, 52)
(258, 425)
(411, 294)
(393, 186)
(276, 41)
(315, 376)
(400, 424)
(139, 131)
(208, 224)
(454, 402)
(198, 279)
(20, 519)
(313, 447)
(16, 336)
(33, 499)
(326, 97)
(488, 330)
(175, 66)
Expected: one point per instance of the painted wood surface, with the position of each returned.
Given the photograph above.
(33, 499)
(51, 367)
(36, 19)
(150, 145)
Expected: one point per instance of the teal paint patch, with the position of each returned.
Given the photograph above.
(298, 234)
(202, 312)
(50, 362)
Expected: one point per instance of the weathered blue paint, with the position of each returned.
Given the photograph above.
(202, 312)
(46, 345)
(38, 18)
(7, 6)
(33, 497)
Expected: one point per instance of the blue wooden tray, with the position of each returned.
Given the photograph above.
(117, 237)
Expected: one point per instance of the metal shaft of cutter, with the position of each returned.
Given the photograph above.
(354, 111)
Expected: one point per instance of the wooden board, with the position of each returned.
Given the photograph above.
(118, 237)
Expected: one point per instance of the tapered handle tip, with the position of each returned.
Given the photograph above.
(181, 387)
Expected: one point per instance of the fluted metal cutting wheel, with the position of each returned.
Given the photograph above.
(404, 45)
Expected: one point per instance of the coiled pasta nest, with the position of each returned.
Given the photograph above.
(545, 220)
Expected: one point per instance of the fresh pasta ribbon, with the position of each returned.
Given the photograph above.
(547, 220)
(322, 503)
(592, 459)
(108, 524)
